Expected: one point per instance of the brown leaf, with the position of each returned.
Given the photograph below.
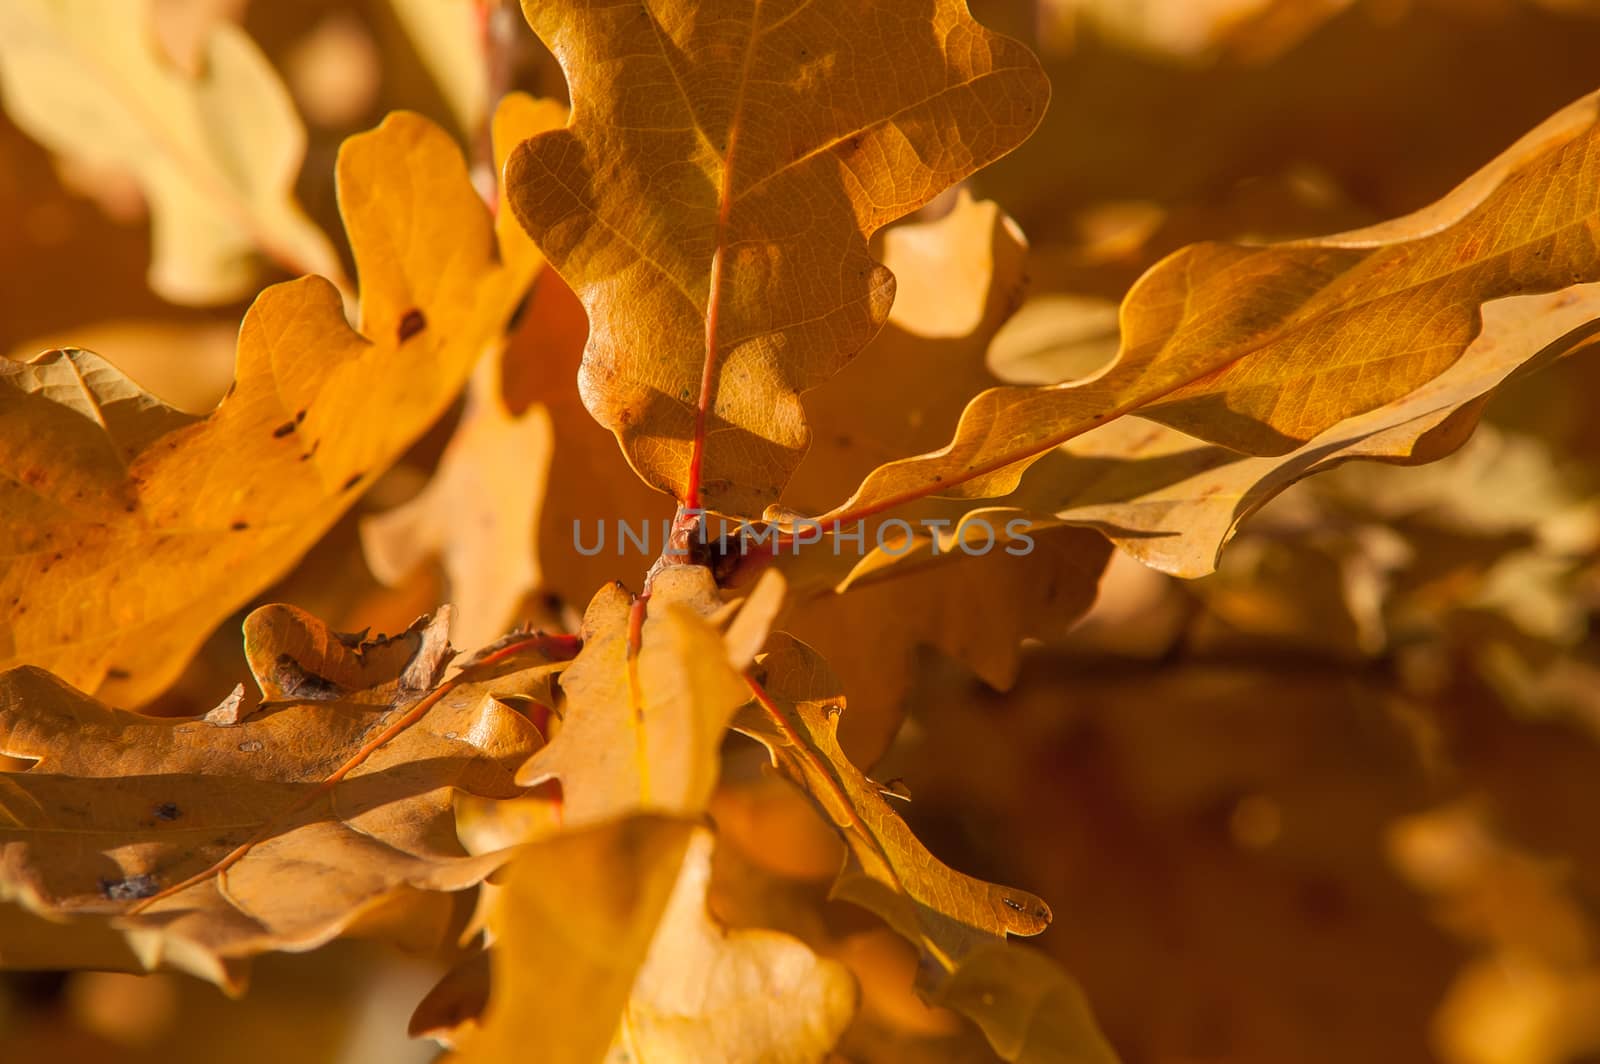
(135, 529)
(205, 842)
(710, 204)
(295, 657)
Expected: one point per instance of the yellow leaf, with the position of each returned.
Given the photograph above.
(745, 996)
(951, 918)
(1173, 501)
(575, 919)
(135, 529)
(478, 513)
(1260, 349)
(711, 200)
(210, 839)
(646, 707)
(217, 154)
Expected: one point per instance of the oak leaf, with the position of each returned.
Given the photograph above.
(1260, 349)
(927, 591)
(479, 511)
(950, 918)
(866, 610)
(216, 154)
(1173, 501)
(207, 840)
(135, 529)
(575, 917)
(711, 199)
(741, 996)
(648, 700)
(527, 483)
(957, 280)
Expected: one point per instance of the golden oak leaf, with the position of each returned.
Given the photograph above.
(1054, 338)
(216, 154)
(646, 707)
(135, 529)
(744, 996)
(210, 839)
(524, 484)
(295, 657)
(948, 916)
(711, 200)
(1173, 501)
(867, 605)
(928, 591)
(575, 918)
(1260, 349)
(957, 278)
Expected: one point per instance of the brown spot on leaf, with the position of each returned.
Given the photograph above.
(412, 323)
(239, 526)
(355, 478)
(283, 430)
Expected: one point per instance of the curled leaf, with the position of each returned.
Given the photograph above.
(1260, 349)
(208, 840)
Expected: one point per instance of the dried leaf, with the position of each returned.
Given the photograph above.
(746, 996)
(646, 709)
(946, 915)
(975, 608)
(958, 278)
(151, 806)
(1172, 501)
(710, 204)
(575, 919)
(216, 154)
(1261, 349)
(135, 529)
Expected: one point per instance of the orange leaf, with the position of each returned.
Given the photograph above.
(711, 200)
